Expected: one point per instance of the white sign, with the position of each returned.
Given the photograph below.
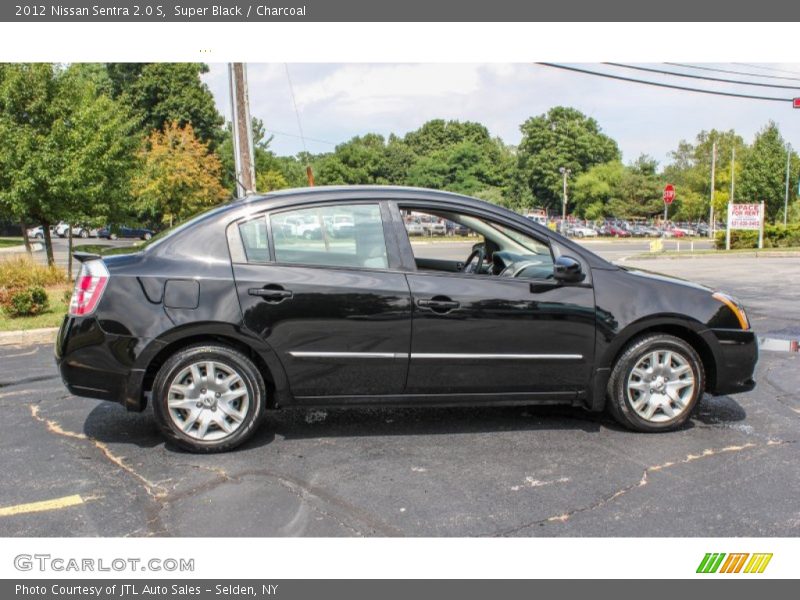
(745, 216)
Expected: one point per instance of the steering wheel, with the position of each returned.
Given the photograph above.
(477, 256)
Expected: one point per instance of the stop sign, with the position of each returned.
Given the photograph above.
(669, 193)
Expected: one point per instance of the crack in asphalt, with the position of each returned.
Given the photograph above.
(35, 379)
(781, 393)
(643, 481)
(310, 494)
(154, 490)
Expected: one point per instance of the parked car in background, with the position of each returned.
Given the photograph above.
(454, 228)
(617, 231)
(339, 225)
(674, 232)
(36, 233)
(123, 231)
(414, 227)
(434, 227)
(581, 231)
(220, 320)
(62, 230)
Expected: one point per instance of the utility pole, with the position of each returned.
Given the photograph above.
(711, 219)
(565, 172)
(786, 198)
(243, 151)
(730, 200)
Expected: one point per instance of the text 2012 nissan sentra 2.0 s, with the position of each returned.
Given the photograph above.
(237, 311)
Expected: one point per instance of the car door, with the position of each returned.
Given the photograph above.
(332, 307)
(485, 334)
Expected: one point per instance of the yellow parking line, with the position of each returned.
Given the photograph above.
(55, 504)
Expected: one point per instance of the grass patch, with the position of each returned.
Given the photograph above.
(443, 238)
(106, 249)
(52, 318)
(9, 242)
(22, 271)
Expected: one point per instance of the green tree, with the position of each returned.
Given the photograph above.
(763, 175)
(690, 172)
(66, 148)
(563, 137)
(179, 175)
(160, 93)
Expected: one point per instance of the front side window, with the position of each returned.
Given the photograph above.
(348, 235)
(474, 246)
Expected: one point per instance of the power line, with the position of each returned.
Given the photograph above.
(685, 66)
(703, 77)
(664, 85)
(294, 135)
(776, 70)
(296, 112)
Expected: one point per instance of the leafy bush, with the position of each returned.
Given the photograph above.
(28, 302)
(22, 272)
(775, 236)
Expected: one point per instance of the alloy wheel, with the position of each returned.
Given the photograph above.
(208, 400)
(661, 385)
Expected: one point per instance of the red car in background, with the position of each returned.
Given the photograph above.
(615, 231)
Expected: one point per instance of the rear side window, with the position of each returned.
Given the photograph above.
(338, 236)
(254, 240)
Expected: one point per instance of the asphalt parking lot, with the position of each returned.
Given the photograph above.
(522, 471)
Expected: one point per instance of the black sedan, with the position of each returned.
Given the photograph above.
(113, 233)
(231, 314)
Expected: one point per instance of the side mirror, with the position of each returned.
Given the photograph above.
(567, 270)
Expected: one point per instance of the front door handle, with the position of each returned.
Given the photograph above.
(271, 293)
(440, 304)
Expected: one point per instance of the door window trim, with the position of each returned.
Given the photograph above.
(407, 252)
(239, 256)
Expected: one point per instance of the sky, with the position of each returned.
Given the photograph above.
(338, 101)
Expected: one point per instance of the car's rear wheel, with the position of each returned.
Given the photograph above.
(209, 398)
(147, 236)
(655, 383)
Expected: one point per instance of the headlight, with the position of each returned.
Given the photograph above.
(734, 305)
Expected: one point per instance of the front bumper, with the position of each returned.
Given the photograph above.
(737, 355)
(97, 364)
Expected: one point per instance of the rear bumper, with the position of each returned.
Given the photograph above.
(96, 364)
(736, 361)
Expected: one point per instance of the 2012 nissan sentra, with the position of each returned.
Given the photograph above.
(240, 310)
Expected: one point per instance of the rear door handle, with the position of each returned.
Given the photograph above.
(439, 304)
(271, 293)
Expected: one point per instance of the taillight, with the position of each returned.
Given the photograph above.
(89, 288)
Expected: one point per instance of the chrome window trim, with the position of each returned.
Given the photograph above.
(433, 356)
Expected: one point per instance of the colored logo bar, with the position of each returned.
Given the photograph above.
(737, 562)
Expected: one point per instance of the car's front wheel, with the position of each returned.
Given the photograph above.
(209, 398)
(655, 383)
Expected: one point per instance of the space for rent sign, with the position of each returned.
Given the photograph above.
(745, 216)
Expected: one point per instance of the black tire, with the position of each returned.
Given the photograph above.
(84, 234)
(618, 402)
(230, 357)
(147, 236)
(112, 236)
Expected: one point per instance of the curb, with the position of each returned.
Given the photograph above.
(35, 246)
(46, 335)
(690, 255)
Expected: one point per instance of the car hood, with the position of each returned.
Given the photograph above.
(644, 274)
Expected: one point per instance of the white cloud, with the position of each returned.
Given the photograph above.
(337, 102)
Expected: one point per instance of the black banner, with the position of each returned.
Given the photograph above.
(369, 589)
(407, 10)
